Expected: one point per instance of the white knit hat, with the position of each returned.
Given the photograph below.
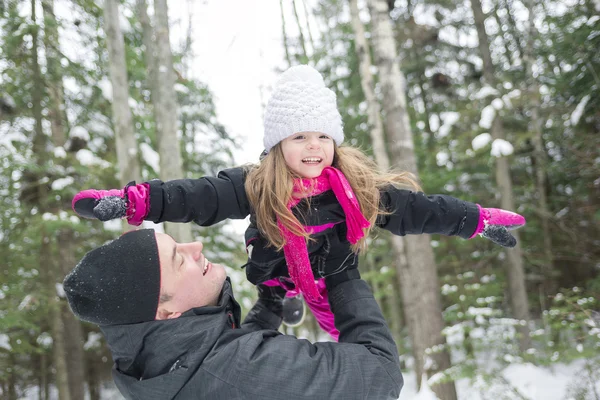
(301, 103)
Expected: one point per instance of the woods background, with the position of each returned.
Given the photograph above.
(494, 102)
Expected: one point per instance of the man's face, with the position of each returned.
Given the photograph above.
(188, 279)
(308, 153)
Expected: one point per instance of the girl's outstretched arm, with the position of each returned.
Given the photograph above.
(205, 201)
(417, 213)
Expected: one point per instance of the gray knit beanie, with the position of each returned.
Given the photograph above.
(118, 282)
(301, 103)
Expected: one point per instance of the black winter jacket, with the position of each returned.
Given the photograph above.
(206, 354)
(209, 200)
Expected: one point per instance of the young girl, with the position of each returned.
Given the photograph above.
(311, 201)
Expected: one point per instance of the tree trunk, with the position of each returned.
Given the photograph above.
(539, 161)
(56, 114)
(515, 270)
(42, 373)
(72, 327)
(366, 80)
(92, 380)
(310, 36)
(375, 124)
(418, 276)
(11, 384)
(165, 110)
(304, 55)
(286, 45)
(73, 330)
(127, 150)
(40, 151)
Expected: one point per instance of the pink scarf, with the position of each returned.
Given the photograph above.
(295, 249)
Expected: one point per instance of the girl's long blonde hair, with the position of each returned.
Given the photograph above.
(269, 189)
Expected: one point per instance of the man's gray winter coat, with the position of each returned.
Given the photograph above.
(206, 354)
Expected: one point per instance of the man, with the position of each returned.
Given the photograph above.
(173, 327)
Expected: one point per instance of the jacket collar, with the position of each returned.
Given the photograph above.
(145, 350)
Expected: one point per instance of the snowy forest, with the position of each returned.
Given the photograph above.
(491, 101)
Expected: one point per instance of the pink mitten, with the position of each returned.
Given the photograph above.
(494, 224)
(111, 204)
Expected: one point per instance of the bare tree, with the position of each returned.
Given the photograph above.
(539, 157)
(72, 331)
(127, 150)
(40, 144)
(166, 112)
(304, 56)
(416, 266)
(515, 270)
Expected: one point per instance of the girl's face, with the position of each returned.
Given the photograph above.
(308, 153)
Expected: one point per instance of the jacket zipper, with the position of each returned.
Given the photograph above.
(231, 319)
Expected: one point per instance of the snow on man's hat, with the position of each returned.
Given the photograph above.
(301, 102)
(118, 282)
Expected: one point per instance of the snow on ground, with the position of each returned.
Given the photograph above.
(533, 383)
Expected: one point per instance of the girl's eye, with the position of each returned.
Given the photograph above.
(325, 137)
(299, 137)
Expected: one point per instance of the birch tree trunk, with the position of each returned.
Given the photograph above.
(514, 263)
(418, 273)
(165, 111)
(375, 126)
(127, 150)
(539, 159)
(40, 143)
(73, 332)
(368, 87)
(56, 109)
(72, 337)
(286, 45)
(304, 55)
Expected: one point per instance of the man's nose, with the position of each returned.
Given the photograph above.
(194, 249)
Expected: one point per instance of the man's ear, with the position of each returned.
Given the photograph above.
(162, 313)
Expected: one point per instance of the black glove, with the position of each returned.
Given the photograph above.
(271, 297)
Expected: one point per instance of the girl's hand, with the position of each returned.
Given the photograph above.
(495, 223)
(131, 202)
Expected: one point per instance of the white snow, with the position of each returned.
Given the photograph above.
(80, 132)
(434, 122)
(93, 341)
(151, 157)
(481, 140)
(449, 118)
(114, 225)
(59, 152)
(86, 157)
(498, 104)
(25, 302)
(62, 183)
(181, 88)
(106, 87)
(60, 290)
(442, 158)
(501, 147)
(45, 340)
(578, 112)
(484, 92)
(487, 116)
(5, 342)
(534, 383)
